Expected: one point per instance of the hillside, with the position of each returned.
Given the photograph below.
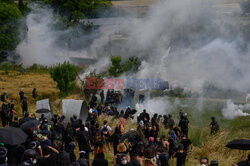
(212, 147)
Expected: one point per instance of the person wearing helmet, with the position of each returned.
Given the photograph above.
(29, 157)
(3, 156)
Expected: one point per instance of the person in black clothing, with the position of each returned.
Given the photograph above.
(186, 143)
(4, 113)
(34, 93)
(15, 122)
(4, 96)
(170, 122)
(102, 96)
(133, 160)
(49, 157)
(181, 156)
(162, 156)
(21, 94)
(10, 112)
(83, 139)
(115, 138)
(24, 105)
(100, 160)
(83, 161)
(149, 132)
(70, 149)
(25, 119)
(144, 116)
(183, 124)
(214, 126)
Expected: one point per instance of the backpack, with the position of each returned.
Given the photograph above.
(105, 130)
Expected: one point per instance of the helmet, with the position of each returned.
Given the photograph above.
(3, 152)
(29, 153)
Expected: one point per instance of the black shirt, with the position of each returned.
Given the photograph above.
(98, 162)
(181, 158)
(186, 143)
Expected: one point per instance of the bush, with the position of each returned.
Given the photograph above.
(65, 75)
(116, 69)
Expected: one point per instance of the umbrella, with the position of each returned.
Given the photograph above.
(130, 135)
(12, 136)
(241, 144)
(43, 110)
(30, 124)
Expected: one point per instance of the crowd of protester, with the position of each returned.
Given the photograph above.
(56, 142)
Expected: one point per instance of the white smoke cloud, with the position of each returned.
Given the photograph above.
(159, 105)
(232, 110)
(188, 42)
(48, 43)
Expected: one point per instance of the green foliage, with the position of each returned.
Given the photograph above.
(116, 69)
(9, 24)
(21, 6)
(65, 75)
(87, 92)
(74, 10)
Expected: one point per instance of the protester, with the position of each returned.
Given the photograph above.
(54, 141)
(21, 94)
(204, 161)
(34, 93)
(214, 126)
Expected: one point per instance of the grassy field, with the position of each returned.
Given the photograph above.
(199, 114)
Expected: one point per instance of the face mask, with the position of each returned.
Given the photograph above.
(34, 162)
(157, 156)
(124, 162)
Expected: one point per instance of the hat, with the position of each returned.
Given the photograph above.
(95, 111)
(121, 148)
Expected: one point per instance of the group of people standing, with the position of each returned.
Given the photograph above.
(54, 141)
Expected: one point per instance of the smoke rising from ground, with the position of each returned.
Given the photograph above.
(232, 110)
(187, 42)
(159, 105)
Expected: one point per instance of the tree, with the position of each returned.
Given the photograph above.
(9, 24)
(74, 10)
(65, 75)
(116, 69)
(21, 6)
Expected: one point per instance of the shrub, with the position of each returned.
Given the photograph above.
(116, 69)
(65, 75)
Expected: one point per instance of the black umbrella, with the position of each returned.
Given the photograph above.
(12, 136)
(241, 144)
(43, 110)
(128, 135)
(30, 124)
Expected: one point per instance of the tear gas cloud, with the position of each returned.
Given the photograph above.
(231, 110)
(159, 105)
(180, 41)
